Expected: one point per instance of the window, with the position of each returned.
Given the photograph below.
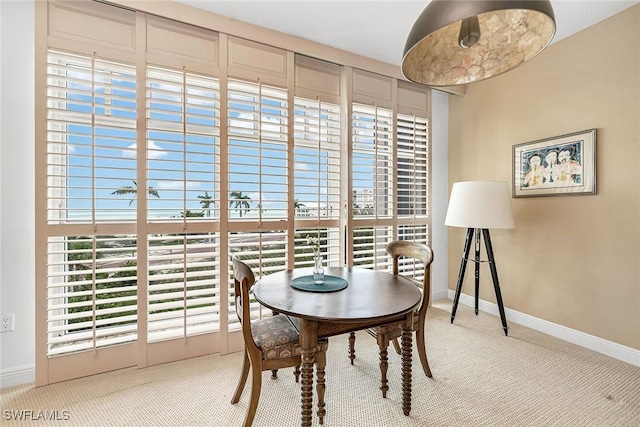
(183, 145)
(159, 170)
(258, 152)
(258, 181)
(372, 183)
(413, 185)
(183, 188)
(91, 274)
(93, 194)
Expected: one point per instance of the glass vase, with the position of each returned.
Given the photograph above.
(318, 269)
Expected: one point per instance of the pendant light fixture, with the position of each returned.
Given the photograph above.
(458, 42)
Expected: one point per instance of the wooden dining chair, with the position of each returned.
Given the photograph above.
(270, 343)
(391, 332)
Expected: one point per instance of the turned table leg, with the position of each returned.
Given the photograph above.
(321, 361)
(406, 365)
(308, 343)
(383, 344)
(352, 346)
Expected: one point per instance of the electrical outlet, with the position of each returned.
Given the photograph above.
(6, 322)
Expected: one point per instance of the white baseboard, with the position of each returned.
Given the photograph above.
(609, 348)
(439, 294)
(19, 375)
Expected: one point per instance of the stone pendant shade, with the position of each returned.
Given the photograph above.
(511, 33)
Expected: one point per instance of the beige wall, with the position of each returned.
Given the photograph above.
(575, 260)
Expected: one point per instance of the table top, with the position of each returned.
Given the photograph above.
(370, 295)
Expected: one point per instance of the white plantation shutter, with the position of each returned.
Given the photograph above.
(413, 186)
(373, 189)
(91, 264)
(369, 245)
(183, 128)
(183, 158)
(372, 162)
(417, 233)
(329, 247)
(317, 159)
(317, 179)
(412, 167)
(184, 286)
(258, 151)
(257, 182)
(91, 129)
(92, 288)
(264, 253)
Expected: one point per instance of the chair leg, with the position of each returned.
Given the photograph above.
(243, 379)
(396, 345)
(383, 343)
(321, 361)
(422, 352)
(274, 374)
(352, 346)
(296, 373)
(256, 385)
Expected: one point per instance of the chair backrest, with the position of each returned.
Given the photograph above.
(243, 280)
(417, 251)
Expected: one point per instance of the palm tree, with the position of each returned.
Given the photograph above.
(241, 201)
(128, 189)
(206, 202)
(297, 207)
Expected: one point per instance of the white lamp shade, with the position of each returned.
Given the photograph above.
(480, 204)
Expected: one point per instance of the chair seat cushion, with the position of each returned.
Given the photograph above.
(278, 339)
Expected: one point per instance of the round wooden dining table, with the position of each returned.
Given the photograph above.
(371, 298)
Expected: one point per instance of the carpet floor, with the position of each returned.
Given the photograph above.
(480, 378)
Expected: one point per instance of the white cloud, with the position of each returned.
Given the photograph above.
(154, 151)
(246, 121)
(176, 185)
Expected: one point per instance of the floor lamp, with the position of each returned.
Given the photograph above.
(479, 206)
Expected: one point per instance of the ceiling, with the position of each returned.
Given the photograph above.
(378, 29)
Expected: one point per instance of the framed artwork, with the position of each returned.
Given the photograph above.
(563, 165)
